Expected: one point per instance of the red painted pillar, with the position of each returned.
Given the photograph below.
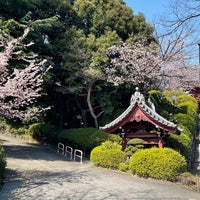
(124, 143)
(160, 142)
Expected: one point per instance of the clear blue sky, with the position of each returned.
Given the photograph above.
(150, 8)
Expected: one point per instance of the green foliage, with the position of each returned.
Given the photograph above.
(18, 131)
(112, 113)
(13, 128)
(182, 143)
(165, 164)
(182, 111)
(169, 93)
(187, 179)
(15, 9)
(186, 120)
(30, 120)
(189, 107)
(182, 97)
(99, 58)
(135, 141)
(3, 125)
(99, 16)
(43, 132)
(78, 34)
(108, 154)
(13, 28)
(2, 162)
(163, 105)
(123, 166)
(85, 138)
(133, 145)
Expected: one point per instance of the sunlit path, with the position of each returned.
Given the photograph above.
(37, 172)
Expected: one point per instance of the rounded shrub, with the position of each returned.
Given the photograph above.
(135, 141)
(165, 164)
(43, 132)
(108, 155)
(133, 145)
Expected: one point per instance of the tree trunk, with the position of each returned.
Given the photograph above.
(83, 112)
(94, 116)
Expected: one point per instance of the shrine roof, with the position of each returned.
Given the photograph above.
(149, 109)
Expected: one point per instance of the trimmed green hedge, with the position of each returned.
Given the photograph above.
(186, 120)
(184, 114)
(85, 138)
(183, 97)
(43, 132)
(190, 108)
(165, 164)
(182, 142)
(162, 103)
(108, 155)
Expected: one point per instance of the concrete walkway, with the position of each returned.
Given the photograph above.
(37, 172)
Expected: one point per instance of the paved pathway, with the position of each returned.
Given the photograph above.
(37, 172)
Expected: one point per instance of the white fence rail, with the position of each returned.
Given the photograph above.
(79, 154)
(69, 152)
(61, 148)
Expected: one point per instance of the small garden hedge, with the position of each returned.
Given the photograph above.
(43, 132)
(182, 142)
(186, 120)
(108, 155)
(85, 138)
(165, 164)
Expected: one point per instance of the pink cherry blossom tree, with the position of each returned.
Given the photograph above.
(137, 64)
(20, 88)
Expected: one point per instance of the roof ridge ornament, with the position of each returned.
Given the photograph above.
(137, 96)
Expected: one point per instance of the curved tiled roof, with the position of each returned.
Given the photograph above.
(138, 98)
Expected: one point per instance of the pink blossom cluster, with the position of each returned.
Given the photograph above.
(19, 89)
(135, 64)
(184, 78)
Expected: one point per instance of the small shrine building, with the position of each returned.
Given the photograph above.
(140, 120)
(195, 92)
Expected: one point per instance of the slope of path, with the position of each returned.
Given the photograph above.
(35, 172)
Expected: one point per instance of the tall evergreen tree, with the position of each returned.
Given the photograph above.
(73, 36)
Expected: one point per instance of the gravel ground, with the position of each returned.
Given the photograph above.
(39, 172)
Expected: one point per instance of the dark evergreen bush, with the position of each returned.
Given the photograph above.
(108, 155)
(43, 132)
(85, 138)
(165, 164)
